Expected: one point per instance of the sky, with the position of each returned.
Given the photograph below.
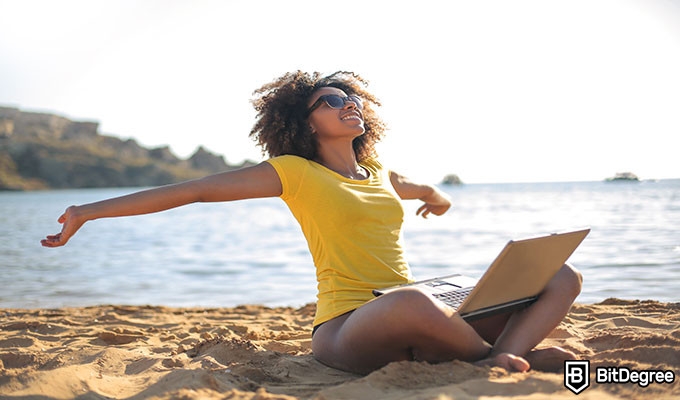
(493, 91)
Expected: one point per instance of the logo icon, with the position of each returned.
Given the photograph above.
(576, 375)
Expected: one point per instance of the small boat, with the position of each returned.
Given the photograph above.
(623, 176)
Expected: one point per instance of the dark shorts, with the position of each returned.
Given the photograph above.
(319, 326)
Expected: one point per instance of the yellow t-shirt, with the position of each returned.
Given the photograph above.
(352, 227)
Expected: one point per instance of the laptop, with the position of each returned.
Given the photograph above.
(513, 281)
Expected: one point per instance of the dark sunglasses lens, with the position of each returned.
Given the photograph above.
(356, 100)
(335, 101)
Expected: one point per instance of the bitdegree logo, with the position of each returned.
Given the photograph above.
(577, 376)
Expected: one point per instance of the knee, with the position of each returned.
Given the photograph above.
(409, 297)
(415, 303)
(571, 279)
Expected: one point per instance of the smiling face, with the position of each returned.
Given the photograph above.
(329, 122)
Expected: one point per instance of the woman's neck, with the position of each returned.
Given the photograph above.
(344, 162)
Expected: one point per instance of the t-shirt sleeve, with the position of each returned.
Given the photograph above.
(291, 170)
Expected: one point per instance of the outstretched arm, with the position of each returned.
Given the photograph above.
(253, 182)
(436, 201)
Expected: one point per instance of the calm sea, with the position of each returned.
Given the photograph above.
(252, 252)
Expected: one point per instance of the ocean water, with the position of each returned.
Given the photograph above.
(253, 252)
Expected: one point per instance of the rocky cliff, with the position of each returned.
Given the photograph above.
(45, 151)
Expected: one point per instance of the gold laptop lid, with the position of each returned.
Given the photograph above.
(522, 269)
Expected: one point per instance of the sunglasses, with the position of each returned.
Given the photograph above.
(336, 102)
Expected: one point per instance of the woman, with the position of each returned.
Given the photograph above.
(320, 133)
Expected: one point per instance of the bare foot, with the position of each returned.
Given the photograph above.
(549, 359)
(507, 361)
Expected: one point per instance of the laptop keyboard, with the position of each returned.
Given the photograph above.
(454, 298)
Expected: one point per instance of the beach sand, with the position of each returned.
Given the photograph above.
(255, 352)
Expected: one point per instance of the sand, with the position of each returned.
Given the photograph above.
(255, 352)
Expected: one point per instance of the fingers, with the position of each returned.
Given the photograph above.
(52, 241)
(67, 230)
(427, 209)
(424, 210)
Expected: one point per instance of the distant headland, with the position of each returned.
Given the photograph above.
(46, 151)
(452, 179)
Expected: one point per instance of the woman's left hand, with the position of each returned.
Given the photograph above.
(436, 201)
(436, 209)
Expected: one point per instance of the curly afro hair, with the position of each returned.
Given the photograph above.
(282, 126)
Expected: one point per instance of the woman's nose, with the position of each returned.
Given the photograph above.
(350, 104)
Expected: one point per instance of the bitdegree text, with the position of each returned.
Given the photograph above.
(624, 375)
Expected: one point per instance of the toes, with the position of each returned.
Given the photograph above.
(518, 364)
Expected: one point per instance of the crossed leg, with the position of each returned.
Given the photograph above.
(409, 325)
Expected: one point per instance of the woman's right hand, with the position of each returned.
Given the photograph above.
(70, 223)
